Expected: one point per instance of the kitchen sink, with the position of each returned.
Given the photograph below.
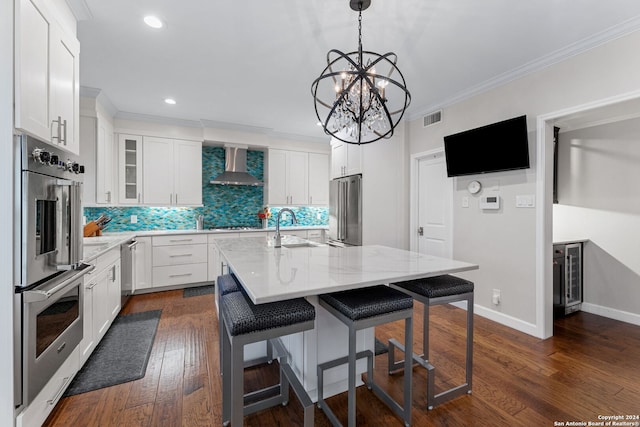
(306, 244)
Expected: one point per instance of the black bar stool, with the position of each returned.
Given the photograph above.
(434, 291)
(225, 284)
(360, 309)
(246, 323)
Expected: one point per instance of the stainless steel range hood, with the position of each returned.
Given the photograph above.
(235, 169)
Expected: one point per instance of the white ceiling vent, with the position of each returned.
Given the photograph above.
(432, 118)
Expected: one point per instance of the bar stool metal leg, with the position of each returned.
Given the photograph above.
(435, 291)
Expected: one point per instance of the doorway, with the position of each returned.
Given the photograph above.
(604, 110)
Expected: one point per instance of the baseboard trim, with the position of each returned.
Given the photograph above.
(506, 320)
(612, 313)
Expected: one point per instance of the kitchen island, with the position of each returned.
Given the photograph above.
(307, 270)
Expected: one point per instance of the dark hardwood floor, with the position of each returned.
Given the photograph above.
(590, 368)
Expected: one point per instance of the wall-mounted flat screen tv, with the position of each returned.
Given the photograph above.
(496, 147)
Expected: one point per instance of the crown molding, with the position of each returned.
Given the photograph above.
(124, 115)
(80, 9)
(598, 39)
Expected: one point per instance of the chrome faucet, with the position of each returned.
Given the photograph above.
(277, 237)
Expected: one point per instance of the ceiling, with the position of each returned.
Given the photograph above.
(250, 64)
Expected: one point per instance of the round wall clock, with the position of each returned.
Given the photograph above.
(474, 187)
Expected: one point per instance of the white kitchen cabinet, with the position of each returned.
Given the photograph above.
(172, 172)
(105, 164)
(142, 269)
(179, 259)
(318, 179)
(98, 153)
(46, 76)
(346, 159)
(288, 178)
(101, 301)
(129, 169)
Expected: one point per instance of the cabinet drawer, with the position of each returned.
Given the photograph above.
(179, 239)
(39, 409)
(105, 260)
(180, 254)
(179, 274)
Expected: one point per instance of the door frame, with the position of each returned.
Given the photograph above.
(413, 198)
(544, 210)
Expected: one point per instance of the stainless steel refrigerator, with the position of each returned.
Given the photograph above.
(345, 211)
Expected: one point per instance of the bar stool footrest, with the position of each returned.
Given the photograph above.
(398, 366)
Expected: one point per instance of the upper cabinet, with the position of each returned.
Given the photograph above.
(130, 169)
(288, 180)
(159, 171)
(172, 172)
(346, 159)
(46, 76)
(98, 153)
(105, 161)
(318, 179)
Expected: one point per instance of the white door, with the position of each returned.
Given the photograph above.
(434, 206)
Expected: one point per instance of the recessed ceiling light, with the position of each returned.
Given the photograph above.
(170, 101)
(153, 21)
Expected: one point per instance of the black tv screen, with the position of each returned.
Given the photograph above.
(496, 147)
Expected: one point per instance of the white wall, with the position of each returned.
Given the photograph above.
(598, 173)
(6, 213)
(504, 243)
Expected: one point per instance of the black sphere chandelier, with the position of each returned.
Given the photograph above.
(361, 96)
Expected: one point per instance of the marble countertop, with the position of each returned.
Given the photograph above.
(93, 247)
(274, 274)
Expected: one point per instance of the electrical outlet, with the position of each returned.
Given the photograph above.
(134, 219)
(495, 298)
(318, 215)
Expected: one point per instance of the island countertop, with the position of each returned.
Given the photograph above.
(274, 274)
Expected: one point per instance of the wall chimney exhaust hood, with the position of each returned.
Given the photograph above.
(235, 169)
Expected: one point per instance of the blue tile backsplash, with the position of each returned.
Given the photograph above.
(224, 205)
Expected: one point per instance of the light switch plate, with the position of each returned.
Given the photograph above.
(134, 219)
(465, 201)
(526, 201)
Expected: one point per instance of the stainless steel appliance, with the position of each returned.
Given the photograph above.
(567, 278)
(345, 211)
(48, 320)
(127, 272)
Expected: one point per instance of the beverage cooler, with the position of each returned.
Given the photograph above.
(567, 279)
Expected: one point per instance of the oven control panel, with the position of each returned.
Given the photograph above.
(46, 158)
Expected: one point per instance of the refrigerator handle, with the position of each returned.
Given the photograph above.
(343, 216)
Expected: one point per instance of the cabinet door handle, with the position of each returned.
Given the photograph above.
(180, 275)
(138, 197)
(59, 392)
(180, 240)
(59, 133)
(64, 125)
(108, 194)
(176, 198)
(180, 255)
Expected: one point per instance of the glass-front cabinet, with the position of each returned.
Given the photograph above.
(130, 165)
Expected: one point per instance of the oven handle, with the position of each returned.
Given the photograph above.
(37, 295)
(132, 244)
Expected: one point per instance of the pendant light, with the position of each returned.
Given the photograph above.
(361, 96)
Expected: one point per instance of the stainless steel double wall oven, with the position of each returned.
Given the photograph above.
(48, 272)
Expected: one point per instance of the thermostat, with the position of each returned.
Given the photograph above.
(490, 202)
